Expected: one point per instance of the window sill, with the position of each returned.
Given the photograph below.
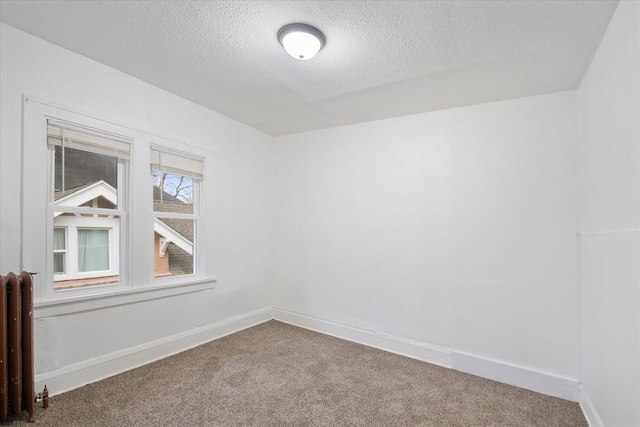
(78, 304)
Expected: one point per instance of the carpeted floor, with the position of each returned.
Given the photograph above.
(275, 374)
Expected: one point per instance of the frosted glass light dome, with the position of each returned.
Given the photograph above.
(301, 41)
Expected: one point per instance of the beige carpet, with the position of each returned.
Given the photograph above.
(275, 374)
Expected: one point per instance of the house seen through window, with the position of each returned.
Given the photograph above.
(87, 203)
(176, 180)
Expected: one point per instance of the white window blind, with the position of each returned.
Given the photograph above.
(81, 138)
(177, 164)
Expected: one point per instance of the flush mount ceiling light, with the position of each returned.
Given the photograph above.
(301, 41)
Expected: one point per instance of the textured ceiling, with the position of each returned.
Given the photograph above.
(382, 58)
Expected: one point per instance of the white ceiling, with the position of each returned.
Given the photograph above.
(381, 59)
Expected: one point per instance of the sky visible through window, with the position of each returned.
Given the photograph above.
(178, 186)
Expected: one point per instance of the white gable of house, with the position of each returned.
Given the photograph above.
(88, 193)
(171, 236)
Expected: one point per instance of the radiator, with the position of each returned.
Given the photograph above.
(17, 378)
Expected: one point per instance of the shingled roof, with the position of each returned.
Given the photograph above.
(83, 167)
(185, 228)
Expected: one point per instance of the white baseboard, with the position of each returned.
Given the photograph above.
(589, 411)
(393, 344)
(529, 379)
(540, 382)
(92, 370)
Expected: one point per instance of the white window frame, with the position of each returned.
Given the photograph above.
(136, 221)
(118, 253)
(196, 217)
(72, 226)
(62, 251)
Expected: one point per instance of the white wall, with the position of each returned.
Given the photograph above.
(238, 212)
(452, 232)
(609, 98)
(454, 229)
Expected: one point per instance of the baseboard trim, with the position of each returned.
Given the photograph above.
(540, 382)
(530, 379)
(589, 411)
(96, 369)
(391, 343)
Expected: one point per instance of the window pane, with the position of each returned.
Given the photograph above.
(58, 263)
(85, 179)
(59, 238)
(172, 193)
(173, 246)
(93, 250)
(88, 179)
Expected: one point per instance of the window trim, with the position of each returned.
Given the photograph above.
(118, 256)
(81, 303)
(156, 151)
(36, 221)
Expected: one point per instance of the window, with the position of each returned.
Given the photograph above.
(176, 208)
(89, 215)
(93, 250)
(59, 250)
(87, 204)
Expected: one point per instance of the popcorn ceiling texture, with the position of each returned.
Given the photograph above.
(382, 58)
